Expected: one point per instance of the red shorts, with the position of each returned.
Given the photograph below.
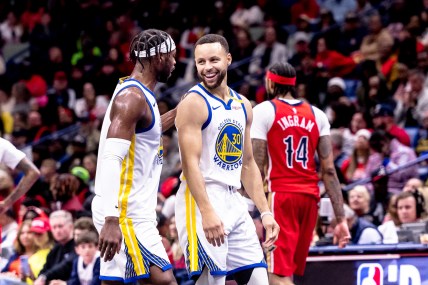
(296, 215)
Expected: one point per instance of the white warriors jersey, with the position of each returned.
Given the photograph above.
(222, 138)
(141, 167)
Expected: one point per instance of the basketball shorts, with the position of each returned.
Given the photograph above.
(241, 249)
(141, 248)
(296, 215)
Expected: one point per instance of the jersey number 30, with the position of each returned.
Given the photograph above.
(298, 154)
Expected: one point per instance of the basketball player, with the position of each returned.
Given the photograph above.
(216, 232)
(129, 166)
(16, 160)
(287, 133)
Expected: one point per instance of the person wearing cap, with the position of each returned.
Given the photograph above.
(300, 47)
(16, 160)
(287, 134)
(60, 95)
(44, 240)
(129, 166)
(388, 153)
(383, 118)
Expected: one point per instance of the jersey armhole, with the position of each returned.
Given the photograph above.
(207, 122)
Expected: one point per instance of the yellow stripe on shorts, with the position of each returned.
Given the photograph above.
(191, 230)
(127, 175)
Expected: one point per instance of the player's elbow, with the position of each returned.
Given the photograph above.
(329, 171)
(33, 174)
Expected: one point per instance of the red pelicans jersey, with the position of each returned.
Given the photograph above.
(292, 135)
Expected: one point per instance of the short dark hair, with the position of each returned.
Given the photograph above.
(85, 223)
(87, 237)
(377, 138)
(283, 69)
(145, 40)
(213, 38)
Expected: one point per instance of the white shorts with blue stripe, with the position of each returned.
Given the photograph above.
(141, 248)
(241, 249)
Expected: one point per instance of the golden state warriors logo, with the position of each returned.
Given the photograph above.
(229, 147)
(159, 157)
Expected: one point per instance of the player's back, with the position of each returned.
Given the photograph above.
(292, 143)
(141, 167)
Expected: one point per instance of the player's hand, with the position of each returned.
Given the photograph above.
(110, 238)
(341, 234)
(272, 230)
(213, 228)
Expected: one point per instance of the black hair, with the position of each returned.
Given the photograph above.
(377, 138)
(213, 38)
(146, 40)
(283, 69)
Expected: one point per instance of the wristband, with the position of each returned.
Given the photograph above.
(265, 213)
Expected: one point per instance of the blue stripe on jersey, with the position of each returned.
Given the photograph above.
(312, 109)
(142, 130)
(243, 105)
(254, 265)
(274, 106)
(142, 86)
(210, 114)
(148, 103)
(226, 106)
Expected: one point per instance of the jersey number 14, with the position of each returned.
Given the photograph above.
(297, 154)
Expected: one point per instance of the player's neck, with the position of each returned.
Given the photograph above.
(285, 96)
(222, 91)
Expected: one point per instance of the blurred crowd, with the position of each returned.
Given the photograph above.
(364, 63)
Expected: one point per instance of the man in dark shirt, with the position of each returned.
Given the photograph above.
(62, 229)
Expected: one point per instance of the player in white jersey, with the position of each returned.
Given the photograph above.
(216, 232)
(129, 166)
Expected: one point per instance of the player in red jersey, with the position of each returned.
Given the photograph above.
(287, 134)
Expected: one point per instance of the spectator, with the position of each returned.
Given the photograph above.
(410, 206)
(269, 51)
(44, 241)
(383, 119)
(331, 61)
(369, 47)
(62, 270)
(353, 168)
(91, 105)
(9, 232)
(86, 265)
(61, 223)
(389, 153)
(23, 245)
(362, 231)
(413, 184)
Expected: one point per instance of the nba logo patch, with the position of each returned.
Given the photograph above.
(370, 274)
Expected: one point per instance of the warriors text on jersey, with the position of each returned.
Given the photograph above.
(222, 138)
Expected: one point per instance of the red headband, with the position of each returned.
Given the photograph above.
(281, 79)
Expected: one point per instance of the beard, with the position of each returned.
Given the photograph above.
(163, 75)
(217, 83)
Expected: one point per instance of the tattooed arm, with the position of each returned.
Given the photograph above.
(332, 186)
(260, 155)
(31, 174)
